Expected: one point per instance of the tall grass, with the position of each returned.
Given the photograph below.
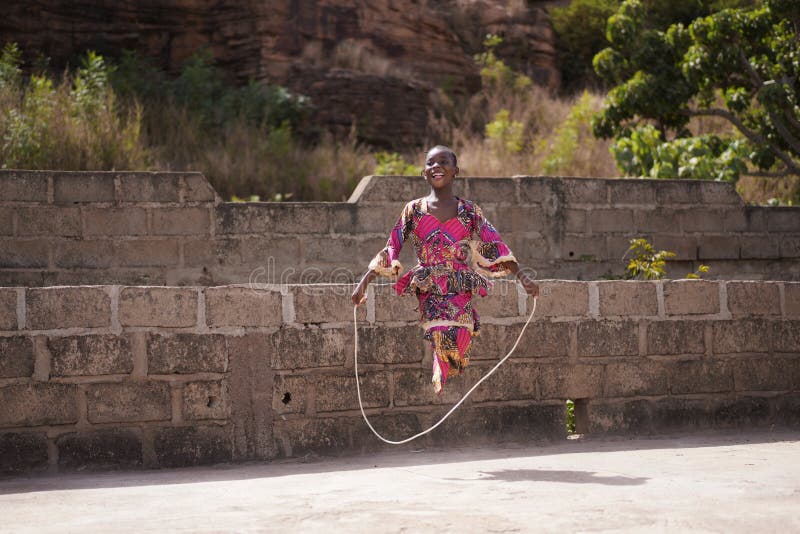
(258, 140)
(75, 124)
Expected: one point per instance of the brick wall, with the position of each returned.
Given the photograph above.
(172, 229)
(100, 376)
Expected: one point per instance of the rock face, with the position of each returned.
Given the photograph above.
(375, 64)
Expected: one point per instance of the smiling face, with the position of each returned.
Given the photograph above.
(440, 168)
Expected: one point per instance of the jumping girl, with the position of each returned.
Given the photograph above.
(445, 230)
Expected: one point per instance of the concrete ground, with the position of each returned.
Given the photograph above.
(744, 482)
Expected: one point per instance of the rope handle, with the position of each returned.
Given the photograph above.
(455, 406)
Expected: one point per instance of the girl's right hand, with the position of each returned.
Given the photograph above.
(358, 297)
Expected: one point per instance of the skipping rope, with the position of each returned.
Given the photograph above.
(455, 406)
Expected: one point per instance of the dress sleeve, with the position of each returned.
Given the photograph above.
(488, 249)
(385, 262)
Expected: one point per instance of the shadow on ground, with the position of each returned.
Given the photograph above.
(406, 457)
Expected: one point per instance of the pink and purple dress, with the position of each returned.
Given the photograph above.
(446, 278)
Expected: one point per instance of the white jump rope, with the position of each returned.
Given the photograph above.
(467, 394)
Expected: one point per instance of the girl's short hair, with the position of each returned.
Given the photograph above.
(447, 149)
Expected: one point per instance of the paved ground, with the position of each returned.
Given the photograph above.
(707, 483)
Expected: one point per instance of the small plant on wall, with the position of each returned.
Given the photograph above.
(647, 264)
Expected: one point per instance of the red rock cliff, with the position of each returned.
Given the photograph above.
(373, 63)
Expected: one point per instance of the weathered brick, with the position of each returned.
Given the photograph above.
(115, 221)
(206, 399)
(198, 189)
(753, 298)
(90, 355)
(531, 189)
(579, 248)
(790, 246)
(181, 221)
(38, 404)
(46, 221)
(786, 336)
(25, 253)
(8, 309)
(501, 301)
(759, 247)
(83, 254)
(402, 344)
(633, 379)
(632, 191)
(75, 187)
(702, 221)
(389, 306)
(561, 299)
(700, 376)
(67, 307)
(291, 394)
(628, 298)
(169, 307)
(676, 337)
(16, 357)
(684, 247)
(512, 381)
(490, 189)
(244, 218)
(129, 401)
(368, 219)
(294, 348)
(691, 297)
(791, 293)
(608, 338)
(413, 387)
(324, 304)
(99, 449)
(23, 186)
(336, 393)
(602, 221)
(678, 192)
(483, 424)
(317, 434)
(585, 191)
(22, 452)
(712, 247)
(542, 339)
(520, 219)
(186, 446)
(660, 220)
(147, 252)
(783, 219)
(575, 221)
(719, 193)
(148, 187)
(764, 374)
(259, 254)
(615, 417)
(251, 382)
(570, 382)
(186, 354)
(744, 335)
(242, 306)
(6, 221)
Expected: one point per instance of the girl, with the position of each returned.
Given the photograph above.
(443, 229)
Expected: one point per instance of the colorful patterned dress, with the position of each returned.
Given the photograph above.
(446, 278)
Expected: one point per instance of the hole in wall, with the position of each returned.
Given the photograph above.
(571, 253)
(212, 401)
(577, 417)
(287, 398)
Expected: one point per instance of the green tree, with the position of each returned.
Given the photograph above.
(737, 63)
(579, 29)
